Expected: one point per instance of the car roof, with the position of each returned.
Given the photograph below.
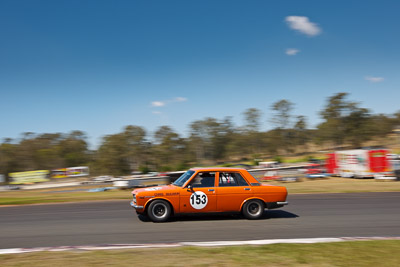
(215, 169)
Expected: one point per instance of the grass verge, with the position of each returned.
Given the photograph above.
(354, 253)
(339, 185)
(40, 196)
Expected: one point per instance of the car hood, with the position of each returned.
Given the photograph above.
(154, 189)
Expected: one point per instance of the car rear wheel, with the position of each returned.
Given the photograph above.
(253, 209)
(159, 211)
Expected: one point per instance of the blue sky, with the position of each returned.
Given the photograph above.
(98, 66)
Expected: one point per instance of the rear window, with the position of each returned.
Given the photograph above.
(231, 179)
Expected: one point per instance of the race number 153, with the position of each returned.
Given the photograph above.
(198, 200)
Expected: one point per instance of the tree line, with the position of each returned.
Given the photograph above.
(210, 141)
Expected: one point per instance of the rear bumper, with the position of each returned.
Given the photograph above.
(275, 205)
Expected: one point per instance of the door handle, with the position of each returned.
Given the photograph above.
(248, 189)
(211, 190)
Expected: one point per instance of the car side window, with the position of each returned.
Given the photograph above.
(203, 179)
(231, 179)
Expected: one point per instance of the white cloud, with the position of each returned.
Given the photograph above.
(303, 25)
(292, 51)
(374, 79)
(157, 104)
(180, 99)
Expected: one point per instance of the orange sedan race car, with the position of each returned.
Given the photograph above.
(208, 190)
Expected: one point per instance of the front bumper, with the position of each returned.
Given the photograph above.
(135, 206)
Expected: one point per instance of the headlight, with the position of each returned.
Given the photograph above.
(134, 198)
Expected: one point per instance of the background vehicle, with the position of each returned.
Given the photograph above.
(70, 172)
(315, 170)
(359, 163)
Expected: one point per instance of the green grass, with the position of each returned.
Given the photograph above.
(37, 197)
(339, 185)
(356, 253)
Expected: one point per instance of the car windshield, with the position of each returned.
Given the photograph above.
(184, 177)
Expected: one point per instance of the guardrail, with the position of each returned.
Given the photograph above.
(172, 176)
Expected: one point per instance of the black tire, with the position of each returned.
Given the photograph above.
(143, 218)
(253, 209)
(159, 211)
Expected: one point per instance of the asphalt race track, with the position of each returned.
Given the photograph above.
(115, 222)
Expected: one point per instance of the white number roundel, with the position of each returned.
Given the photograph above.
(198, 200)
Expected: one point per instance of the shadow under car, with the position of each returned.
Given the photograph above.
(270, 214)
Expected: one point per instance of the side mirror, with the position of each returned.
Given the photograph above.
(190, 187)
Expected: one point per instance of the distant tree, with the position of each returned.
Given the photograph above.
(358, 126)
(252, 119)
(300, 131)
(381, 124)
(344, 121)
(26, 152)
(111, 156)
(332, 129)
(120, 154)
(252, 129)
(8, 159)
(396, 119)
(169, 148)
(73, 148)
(137, 152)
(282, 113)
(210, 138)
(301, 123)
(46, 151)
(272, 140)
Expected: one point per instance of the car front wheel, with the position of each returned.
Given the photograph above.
(159, 211)
(253, 209)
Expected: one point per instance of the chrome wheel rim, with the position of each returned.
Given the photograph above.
(254, 208)
(160, 210)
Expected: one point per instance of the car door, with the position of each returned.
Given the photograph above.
(232, 191)
(201, 196)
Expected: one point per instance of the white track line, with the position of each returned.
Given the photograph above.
(196, 244)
